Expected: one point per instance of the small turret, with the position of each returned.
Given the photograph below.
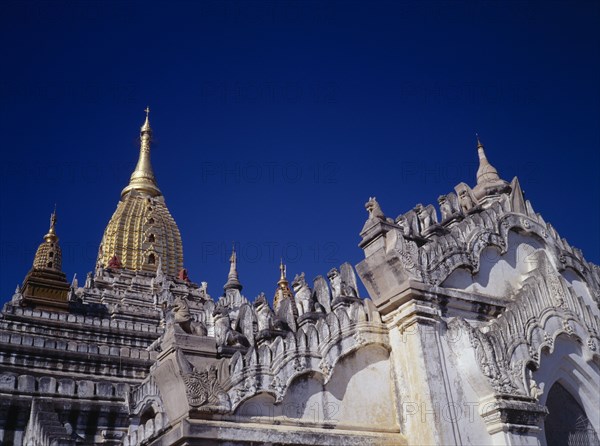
(46, 286)
(283, 290)
(232, 277)
(489, 182)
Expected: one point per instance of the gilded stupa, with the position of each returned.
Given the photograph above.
(142, 230)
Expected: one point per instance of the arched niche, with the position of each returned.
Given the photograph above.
(567, 423)
(564, 371)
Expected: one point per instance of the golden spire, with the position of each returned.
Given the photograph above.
(232, 277)
(49, 254)
(283, 288)
(282, 277)
(142, 179)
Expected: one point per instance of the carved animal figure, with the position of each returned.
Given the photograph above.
(445, 207)
(424, 221)
(224, 333)
(412, 223)
(336, 282)
(304, 299)
(203, 387)
(466, 201)
(402, 223)
(264, 314)
(204, 290)
(183, 317)
(89, 280)
(374, 209)
(426, 215)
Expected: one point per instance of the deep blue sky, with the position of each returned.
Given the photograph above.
(275, 121)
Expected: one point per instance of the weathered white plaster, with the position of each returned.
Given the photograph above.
(358, 394)
(499, 274)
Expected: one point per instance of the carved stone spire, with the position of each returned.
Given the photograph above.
(232, 278)
(488, 181)
(142, 178)
(486, 172)
(283, 290)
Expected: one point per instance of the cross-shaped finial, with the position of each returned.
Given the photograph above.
(147, 110)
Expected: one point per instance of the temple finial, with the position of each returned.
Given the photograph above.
(233, 258)
(51, 235)
(489, 182)
(232, 278)
(142, 179)
(282, 270)
(486, 172)
(283, 290)
(146, 126)
(479, 145)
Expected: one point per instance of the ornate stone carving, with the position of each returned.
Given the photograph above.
(465, 198)
(322, 293)
(525, 323)
(427, 217)
(535, 391)
(203, 387)
(224, 333)
(203, 291)
(278, 387)
(303, 295)
(183, 318)
(336, 282)
(492, 366)
(264, 314)
(375, 212)
(449, 208)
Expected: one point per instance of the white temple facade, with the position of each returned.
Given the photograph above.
(481, 326)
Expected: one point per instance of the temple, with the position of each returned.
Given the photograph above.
(481, 326)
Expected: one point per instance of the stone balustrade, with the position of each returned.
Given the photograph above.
(62, 387)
